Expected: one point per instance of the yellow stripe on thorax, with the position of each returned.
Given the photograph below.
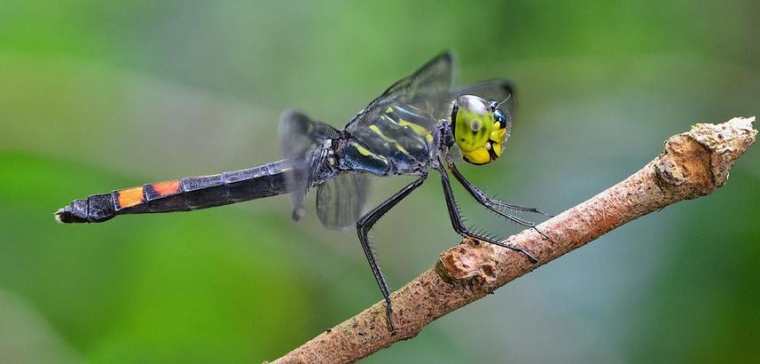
(366, 152)
(379, 133)
(417, 129)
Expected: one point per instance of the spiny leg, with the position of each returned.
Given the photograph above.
(494, 205)
(363, 227)
(459, 226)
(489, 201)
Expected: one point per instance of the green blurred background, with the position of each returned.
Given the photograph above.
(100, 95)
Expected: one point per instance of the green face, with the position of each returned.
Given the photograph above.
(480, 129)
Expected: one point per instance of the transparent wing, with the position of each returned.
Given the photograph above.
(427, 89)
(301, 142)
(340, 201)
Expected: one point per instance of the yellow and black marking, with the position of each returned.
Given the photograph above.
(411, 119)
(400, 136)
(393, 142)
(359, 157)
(418, 129)
(477, 132)
(396, 144)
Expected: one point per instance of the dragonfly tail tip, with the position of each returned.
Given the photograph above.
(66, 216)
(58, 217)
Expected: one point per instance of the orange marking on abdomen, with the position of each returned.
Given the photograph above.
(130, 197)
(166, 188)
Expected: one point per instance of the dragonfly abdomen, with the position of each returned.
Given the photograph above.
(189, 193)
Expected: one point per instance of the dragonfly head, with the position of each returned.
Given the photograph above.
(480, 128)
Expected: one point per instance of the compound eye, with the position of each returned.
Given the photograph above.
(499, 117)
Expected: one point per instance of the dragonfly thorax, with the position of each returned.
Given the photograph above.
(479, 129)
(399, 139)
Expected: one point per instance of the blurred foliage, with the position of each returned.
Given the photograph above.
(100, 95)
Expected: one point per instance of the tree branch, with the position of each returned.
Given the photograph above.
(693, 164)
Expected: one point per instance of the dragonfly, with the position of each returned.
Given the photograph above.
(420, 124)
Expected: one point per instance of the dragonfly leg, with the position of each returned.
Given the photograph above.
(486, 200)
(496, 206)
(364, 225)
(459, 226)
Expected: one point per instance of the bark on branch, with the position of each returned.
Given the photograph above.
(693, 164)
